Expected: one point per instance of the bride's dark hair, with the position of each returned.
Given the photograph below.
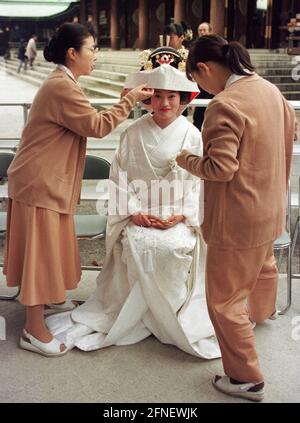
(185, 98)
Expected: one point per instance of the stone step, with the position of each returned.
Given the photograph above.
(120, 59)
(262, 62)
(45, 65)
(271, 55)
(38, 66)
(119, 69)
(36, 78)
(275, 65)
(111, 67)
(289, 87)
(260, 55)
(24, 77)
(29, 72)
(111, 75)
(93, 92)
(275, 72)
(94, 80)
(281, 80)
(114, 76)
(126, 61)
(41, 71)
(292, 95)
(259, 51)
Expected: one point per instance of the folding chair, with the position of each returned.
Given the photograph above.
(5, 161)
(285, 243)
(92, 226)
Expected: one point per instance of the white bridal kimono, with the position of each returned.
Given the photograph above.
(152, 280)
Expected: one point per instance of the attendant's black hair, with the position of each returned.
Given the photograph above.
(177, 29)
(174, 28)
(213, 48)
(69, 35)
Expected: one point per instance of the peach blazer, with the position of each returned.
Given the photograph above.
(248, 134)
(48, 167)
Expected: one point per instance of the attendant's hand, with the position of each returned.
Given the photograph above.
(181, 158)
(169, 223)
(141, 92)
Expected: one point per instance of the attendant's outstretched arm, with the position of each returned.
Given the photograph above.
(222, 133)
(78, 115)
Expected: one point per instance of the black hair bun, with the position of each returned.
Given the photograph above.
(48, 54)
(49, 50)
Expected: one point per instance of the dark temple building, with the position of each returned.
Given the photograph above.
(138, 23)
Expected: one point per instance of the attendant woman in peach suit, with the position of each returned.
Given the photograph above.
(248, 134)
(44, 182)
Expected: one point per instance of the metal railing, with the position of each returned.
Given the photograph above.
(98, 103)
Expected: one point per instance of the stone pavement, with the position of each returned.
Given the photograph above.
(145, 372)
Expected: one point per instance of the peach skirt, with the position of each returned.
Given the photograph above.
(41, 253)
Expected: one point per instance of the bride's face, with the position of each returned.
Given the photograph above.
(165, 104)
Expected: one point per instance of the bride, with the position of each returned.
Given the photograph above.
(152, 281)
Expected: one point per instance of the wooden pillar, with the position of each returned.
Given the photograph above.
(226, 19)
(143, 24)
(241, 23)
(82, 12)
(179, 11)
(275, 11)
(95, 13)
(217, 16)
(114, 26)
(268, 32)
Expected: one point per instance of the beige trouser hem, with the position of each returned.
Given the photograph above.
(233, 278)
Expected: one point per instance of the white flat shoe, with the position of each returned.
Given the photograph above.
(47, 349)
(68, 305)
(273, 316)
(242, 390)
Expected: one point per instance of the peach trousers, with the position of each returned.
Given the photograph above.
(241, 285)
